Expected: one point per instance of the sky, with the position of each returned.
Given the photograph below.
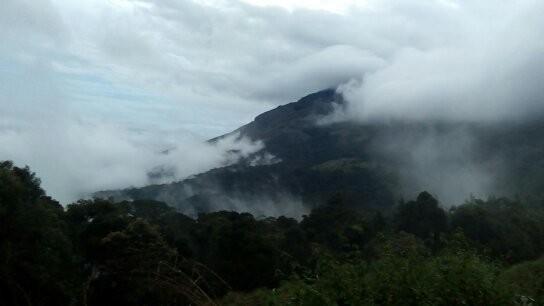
(92, 91)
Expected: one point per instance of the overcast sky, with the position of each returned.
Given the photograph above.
(203, 66)
(89, 84)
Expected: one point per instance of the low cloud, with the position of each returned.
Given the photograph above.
(75, 159)
(488, 69)
(267, 205)
(443, 159)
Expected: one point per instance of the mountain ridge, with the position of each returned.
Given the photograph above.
(291, 135)
(372, 164)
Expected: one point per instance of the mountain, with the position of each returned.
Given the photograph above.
(308, 163)
(372, 165)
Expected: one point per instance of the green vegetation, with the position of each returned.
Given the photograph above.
(96, 252)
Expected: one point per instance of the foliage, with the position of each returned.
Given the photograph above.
(510, 230)
(526, 280)
(37, 265)
(403, 275)
(422, 217)
(97, 252)
(336, 226)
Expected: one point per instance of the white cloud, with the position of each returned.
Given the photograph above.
(486, 68)
(76, 158)
(334, 6)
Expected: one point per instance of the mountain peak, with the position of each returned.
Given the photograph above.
(292, 115)
(318, 103)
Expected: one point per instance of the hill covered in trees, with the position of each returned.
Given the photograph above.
(310, 154)
(144, 252)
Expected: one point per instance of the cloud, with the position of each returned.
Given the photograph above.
(37, 21)
(336, 6)
(271, 204)
(79, 158)
(76, 155)
(488, 69)
(227, 54)
(233, 60)
(330, 66)
(445, 160)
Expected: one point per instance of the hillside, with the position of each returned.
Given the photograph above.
(373, 165)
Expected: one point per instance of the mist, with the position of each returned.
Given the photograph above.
(482, 62)
(270, 204)
(471, 68)
(75, 159)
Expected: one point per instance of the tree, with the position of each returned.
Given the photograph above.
(235, 246)
(422, 217)
(128, 263)
(36, 257)
(337, 226)
(509, 229)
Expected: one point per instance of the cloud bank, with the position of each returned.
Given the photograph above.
(482, 62)
(80, 158)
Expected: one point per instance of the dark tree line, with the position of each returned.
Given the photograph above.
(96, 252)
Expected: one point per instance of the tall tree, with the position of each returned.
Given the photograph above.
(422, 217)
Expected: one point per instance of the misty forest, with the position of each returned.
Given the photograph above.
(271, 152)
